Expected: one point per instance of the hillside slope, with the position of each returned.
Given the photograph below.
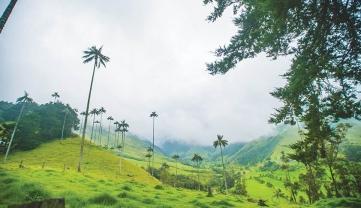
(272, 146)
(99, 185)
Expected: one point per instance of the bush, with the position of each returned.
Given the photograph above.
(104, 199)
(127, 188)
(159, 187)
(222, 203)
(34, 192)
(148, 201)
(123, 195)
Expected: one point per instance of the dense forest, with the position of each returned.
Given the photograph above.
(39, 123)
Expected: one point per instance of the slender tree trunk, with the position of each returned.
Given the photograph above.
(224, 170)
(123, 135)
(95, 133)
(334, 181)
(176, 173)
(100, 130)
(109, 133)
(13, 134)
(5, 16)
(117, 138)
(153, 150)
(199, 182)
(81, 125)
(85, 121)
(62, 130)
(91, 135)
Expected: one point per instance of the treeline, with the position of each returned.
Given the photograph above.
(39, 123)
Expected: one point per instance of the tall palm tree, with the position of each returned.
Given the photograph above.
(6, 14)
(153, 115)
(91, 54)
(197, 159)
(124, 128)
(101, 112)
(110, 119)
(66, 111)
(220, 142)
(176, 158)
(93, 112)
(24, 99)
(149, 155)
(56, 96)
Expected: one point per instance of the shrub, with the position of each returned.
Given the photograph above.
(148, 201)
(159, 187)
(127, 188)
(8, 180)
(222, 203)
(104, 199)
(34, 192)
(123, 195)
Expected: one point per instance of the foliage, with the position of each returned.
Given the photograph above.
(39, 123)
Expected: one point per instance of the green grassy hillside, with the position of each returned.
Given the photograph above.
(99, 185)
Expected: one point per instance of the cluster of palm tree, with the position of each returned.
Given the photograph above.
(121, 128)
(97, 134)
(197, 159)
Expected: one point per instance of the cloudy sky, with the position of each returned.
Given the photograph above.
(157, 49)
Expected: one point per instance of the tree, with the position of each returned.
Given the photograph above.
(323, 38)
(93, 112)
(110, 119)
(220, 142)
(332, 151)
(100, 134)
(56, 96)
(6, 14)
(176, 158)
(66, 111)
(164, 174)
(153, 115)
(24, 99)
(197, 159)
(123, 128)
(99, 59)
(323, 82)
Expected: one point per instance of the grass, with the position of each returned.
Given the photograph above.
(99, 185)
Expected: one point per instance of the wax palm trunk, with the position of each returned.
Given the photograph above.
(62, 130)
(13, 134)
(153, 150)
(108, 133)
(199, 183)
(224, 171)
(92, 132)
(85, 121)
(100, 130)
(5, 16)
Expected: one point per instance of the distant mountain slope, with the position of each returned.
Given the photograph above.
(186, 151)
(272, 146)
